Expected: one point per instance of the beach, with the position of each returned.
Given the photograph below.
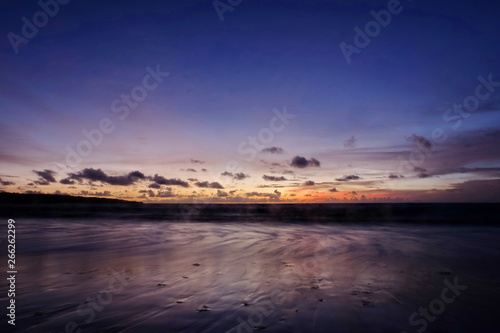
(152, 276)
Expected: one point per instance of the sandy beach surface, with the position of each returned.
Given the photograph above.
(136, 276)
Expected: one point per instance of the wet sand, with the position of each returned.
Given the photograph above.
(135, 276)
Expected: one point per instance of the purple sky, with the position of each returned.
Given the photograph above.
(262, 106)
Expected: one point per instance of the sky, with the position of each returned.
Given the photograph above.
(251, 100)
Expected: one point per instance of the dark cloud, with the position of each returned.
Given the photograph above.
(204, 170)
(57, 192)
(99, 175)
(191, 170)
(419, 169)
(149, 192)
(197, 161)
(6, 183)
(209, 185)
(348, 178)
(420, 141)
(274, 178)
(350, 143)
(486, 190)
(273, 150)
(309, 183)
(159, 194)
(160, 180)
(67, 181)
(237, 176)
(333, 190)
(271, 196)
(394, 176)
(46, 177)
(302, 162)
(423, 175)
(165, 194)
(154, 185)
(222, 194)
(97, 194)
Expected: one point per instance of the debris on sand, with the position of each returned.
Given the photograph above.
(366, 302)
(204, 308)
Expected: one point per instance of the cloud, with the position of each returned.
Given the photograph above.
(97, 194)
(154, 185)
(149, 192)
(273, 150)
(46, 175)
(99, 175)
(302, 162)
(67, 181)
(6, 183)
(348, 178)
(274, 178)
(33, 192)
(333, 190)
(271, 196)
(421, 141)
(209, 185)
(190, 170)
(165, 194)
(350, 143)
(160, 180)
(394, 176)
(222, 194)
(197, 161)
(237, 176)
(159, 194)
(309, 183)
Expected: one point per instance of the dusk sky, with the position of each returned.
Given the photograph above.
(252, 101)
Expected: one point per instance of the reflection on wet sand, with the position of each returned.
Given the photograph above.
(112, 276)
